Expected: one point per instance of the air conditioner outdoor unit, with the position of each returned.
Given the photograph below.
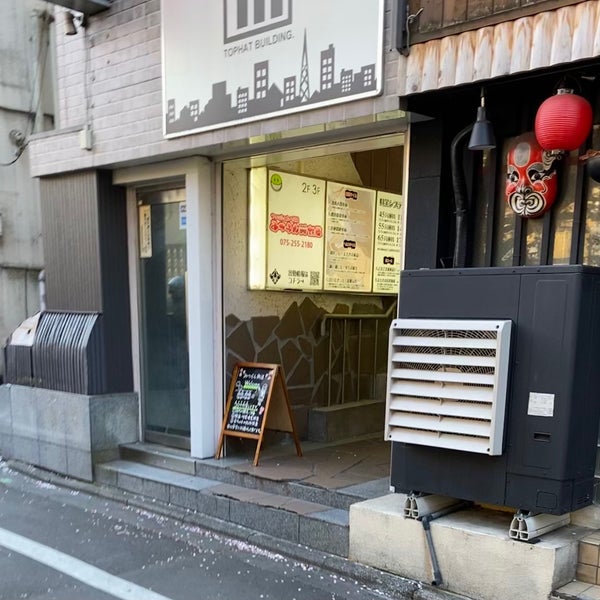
(494, 385)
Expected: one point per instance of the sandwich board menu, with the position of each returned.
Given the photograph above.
(257, 400)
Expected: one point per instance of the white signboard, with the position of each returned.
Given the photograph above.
(350, 212)
(295, 231)
(387, 254)
(227, 62)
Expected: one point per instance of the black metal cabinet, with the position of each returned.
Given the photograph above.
(549, 452)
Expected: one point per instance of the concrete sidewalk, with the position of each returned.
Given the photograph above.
(298, 506)
(303, 500)
(295, 528)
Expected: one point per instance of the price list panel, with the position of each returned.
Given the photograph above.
(295, 237)
(350, 212)
(387, 255)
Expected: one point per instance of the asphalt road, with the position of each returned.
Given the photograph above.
(63, 544)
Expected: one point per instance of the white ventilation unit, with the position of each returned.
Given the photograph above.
(447, 383)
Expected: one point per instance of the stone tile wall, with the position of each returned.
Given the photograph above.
(295, 341)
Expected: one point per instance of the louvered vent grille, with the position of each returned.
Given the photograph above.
(447, 383)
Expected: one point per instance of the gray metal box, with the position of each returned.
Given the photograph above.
(550, 447)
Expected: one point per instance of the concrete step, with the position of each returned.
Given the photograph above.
(341, 421)
(224, 471)
(171, 459)
(312, 524)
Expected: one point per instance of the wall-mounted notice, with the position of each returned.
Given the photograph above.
(349, 221)
(387, 254)
(145, 230)
(295, 206)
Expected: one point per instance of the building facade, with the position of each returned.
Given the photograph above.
(167, 179)
(166, 195)
(162, 217)
(27, 107)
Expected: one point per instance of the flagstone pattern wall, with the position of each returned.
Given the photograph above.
(295, 342)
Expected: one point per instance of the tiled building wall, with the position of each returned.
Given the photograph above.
(589, 559)
(111, 77)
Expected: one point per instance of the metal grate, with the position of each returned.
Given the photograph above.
(68, 353)
(447, 383)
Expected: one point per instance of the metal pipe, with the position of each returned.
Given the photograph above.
(44, 19)
(329, 369)
(344, 338)
(426, 522)
(459, 187)
(437, 574)
(373, 386)
(42, 289)
(359, 352)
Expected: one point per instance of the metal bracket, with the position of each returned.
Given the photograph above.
(402, 22)
(417, 506)
(526, 527)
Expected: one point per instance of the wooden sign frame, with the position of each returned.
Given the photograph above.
(259, 406)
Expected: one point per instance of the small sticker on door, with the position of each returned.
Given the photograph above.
(540, 405)
(145, 223)
(182, 215)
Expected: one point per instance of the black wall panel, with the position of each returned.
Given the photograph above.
(84, 224)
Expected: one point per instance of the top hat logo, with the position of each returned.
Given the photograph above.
(246, 18)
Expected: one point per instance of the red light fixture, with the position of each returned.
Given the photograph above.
(563, 121)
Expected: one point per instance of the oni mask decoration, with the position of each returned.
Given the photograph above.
(531, 179)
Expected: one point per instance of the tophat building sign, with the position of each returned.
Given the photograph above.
(234, 61)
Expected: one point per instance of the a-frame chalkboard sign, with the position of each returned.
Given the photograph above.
(257, 400)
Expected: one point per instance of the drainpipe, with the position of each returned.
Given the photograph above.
(44, 19)
(461, 206)
(42, 289)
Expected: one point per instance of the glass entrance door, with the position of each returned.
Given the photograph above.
(164, 332)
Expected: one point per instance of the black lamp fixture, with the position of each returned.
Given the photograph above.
(482, 136)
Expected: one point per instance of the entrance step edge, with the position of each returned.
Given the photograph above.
(158, 456)
(224, 471)
(309, 523)
(294, 489)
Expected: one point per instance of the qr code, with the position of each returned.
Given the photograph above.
(315, 278)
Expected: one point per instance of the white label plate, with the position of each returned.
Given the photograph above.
(540, 405)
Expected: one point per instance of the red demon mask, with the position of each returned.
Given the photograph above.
(531, 180)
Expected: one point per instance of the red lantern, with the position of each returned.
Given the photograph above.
(563, 122)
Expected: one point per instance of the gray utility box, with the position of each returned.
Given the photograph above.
(552, 410)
